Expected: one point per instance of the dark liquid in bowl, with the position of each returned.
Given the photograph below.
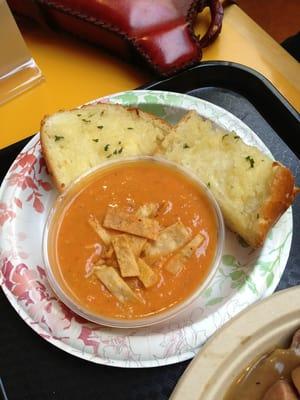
(255, 381)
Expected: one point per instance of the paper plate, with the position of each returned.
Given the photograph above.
(244, 276)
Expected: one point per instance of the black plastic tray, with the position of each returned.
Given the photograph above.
(32, 369)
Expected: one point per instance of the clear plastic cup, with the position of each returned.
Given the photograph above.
(169, 313)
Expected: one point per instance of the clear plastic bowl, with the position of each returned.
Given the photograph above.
(169, 313)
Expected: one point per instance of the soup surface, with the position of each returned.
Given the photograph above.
(74, 247)
(273, 376)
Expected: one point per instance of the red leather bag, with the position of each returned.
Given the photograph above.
(160, 31)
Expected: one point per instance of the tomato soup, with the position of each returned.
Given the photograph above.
(74, 247)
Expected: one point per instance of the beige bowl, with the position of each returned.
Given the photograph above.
(255, 331)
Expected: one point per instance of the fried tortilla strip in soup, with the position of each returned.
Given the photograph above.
(176, 263)
(147, 276)
(108, 252)
(115, 284)
(169, 240)
(148, 210)
(130, 223)
(101, 232)
(125, 256)
(136, 243)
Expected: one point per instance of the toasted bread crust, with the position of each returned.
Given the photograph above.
(47, 157)
(281, 196)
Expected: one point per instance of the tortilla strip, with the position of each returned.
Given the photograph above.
(176, 263)
(130, 223)
(101, 232)
(148, 210)
(114, 283)
(108, 252)
(169, 240)
(147, 275)
(136, 243)
(125, 256)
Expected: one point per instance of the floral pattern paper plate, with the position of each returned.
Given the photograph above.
(244, 275)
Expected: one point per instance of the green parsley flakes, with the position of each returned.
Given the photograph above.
(100, 126)
(86, 120)
(106, 147)
(186, 146)
(95, 140)
(224, 136)
(129, 127)
(250, 160)
(57, 138)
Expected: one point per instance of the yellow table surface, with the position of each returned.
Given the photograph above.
(76, 72)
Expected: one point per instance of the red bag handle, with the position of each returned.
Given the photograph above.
(216, 12)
